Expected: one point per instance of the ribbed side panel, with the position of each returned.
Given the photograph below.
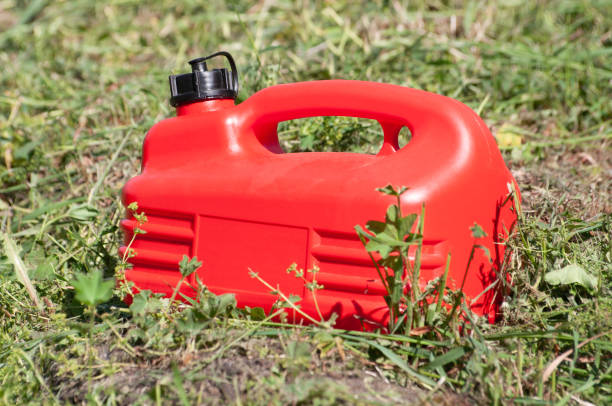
(157, 252)
(346, 267)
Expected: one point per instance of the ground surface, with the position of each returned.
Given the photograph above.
(81, 82)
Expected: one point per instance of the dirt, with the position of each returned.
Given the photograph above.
(257, 371)
(577, 180)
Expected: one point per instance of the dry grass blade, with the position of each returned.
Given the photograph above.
(22, 274)
(555, 363)
(580, 401)
(419, 331)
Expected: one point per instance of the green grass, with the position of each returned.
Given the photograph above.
(81, 82)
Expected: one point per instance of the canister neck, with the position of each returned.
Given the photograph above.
(204, 106)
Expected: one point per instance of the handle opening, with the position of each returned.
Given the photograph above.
(340, 134)
(404, 136)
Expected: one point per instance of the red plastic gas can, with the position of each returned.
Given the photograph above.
(216, 184)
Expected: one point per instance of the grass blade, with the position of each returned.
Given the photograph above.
(555, 363)
(399, 361)
(10, 248)
(446, 358)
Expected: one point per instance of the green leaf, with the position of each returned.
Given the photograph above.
(406, 223)
(392, 214)
(393, 262)
(258, 314)
(388, 238)
(477, 231)
(140, 302)
(572, 273)
(444, 359)
(91, 289)
(294, 298)
(391, 191)
(387, 190)
(188, 266)
(375, 246)
(226, 301)
(83, 212)
(485, 250)
(189, 300)
(191, 321)
(376, 226)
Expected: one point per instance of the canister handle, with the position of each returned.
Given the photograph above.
(447, 123)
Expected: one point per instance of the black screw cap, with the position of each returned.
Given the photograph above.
(203, 84)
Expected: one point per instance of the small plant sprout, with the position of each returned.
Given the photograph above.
(477, 232)
(392, 240)
(412, 310)
(91, 290)
(292, 300)
(125, 286)
(311, 285)
(187, 266)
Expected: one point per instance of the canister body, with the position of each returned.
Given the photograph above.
(216, 185)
